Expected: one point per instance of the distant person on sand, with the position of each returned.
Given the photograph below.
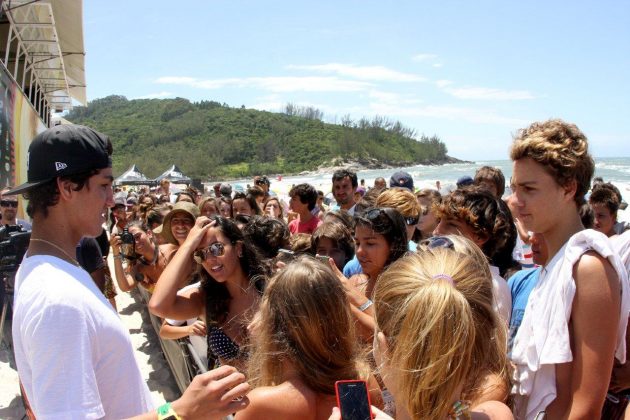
(492, 179)
(303, 201)
(380, 183)
(344, 185)
(401, 179)
(263, 183)
(73, 353)
(605, 200)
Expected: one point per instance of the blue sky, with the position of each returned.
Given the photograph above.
(470, 72)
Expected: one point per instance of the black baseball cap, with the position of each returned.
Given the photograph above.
(64, 150)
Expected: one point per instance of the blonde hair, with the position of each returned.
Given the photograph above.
(491, 340)
(304, 318)
(400, 199)
(432, 325)
(561, 148)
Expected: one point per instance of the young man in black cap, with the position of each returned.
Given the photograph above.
(73, 353)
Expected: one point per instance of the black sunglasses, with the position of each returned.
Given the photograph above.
(216, 249)
(438, 242)
(411, 221)
(8, 203)
(374, 214)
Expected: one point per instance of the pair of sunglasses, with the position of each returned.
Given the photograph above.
(8, 203)
(438, 242)
(216, 249)
(411, 221)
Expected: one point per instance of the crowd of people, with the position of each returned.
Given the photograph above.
(469, 304)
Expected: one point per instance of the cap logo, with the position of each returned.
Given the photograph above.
(60, 165)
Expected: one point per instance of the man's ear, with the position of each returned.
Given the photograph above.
(480, 239)
(570, 189)
(66, 188)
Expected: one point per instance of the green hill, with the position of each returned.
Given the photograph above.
(209, 139)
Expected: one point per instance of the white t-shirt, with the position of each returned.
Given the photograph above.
(501, 294)
(74, 355)
(543, 339)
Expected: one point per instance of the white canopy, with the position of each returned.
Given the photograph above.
(50, 33)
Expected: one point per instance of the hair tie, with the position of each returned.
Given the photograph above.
(446, 277)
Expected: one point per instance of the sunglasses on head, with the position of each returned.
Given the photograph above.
(374, 214)
(438, 242)
(8, 203)
(216, 249)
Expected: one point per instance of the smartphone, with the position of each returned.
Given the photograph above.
(323, 258)
(353, 400)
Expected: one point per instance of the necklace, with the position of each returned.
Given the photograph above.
(72, 260)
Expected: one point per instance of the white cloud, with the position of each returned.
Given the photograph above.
(489, 94)
(424, 57)
(156, 95)
(372, 73)
(273, 84)
(443, 83)
(472, 115)
(393, 98)
(437, 65)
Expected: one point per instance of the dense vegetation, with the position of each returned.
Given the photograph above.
(209, 139)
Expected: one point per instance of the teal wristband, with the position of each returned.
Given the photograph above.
(166, 412)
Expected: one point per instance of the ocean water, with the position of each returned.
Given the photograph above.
(615, 170)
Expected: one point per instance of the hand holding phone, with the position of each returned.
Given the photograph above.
(353, 400)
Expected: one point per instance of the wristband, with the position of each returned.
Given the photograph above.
(166, 412)
(118, 257)
(366, 305)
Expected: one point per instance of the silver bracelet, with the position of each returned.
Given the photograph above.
(366, 305)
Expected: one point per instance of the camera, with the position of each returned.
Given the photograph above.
(128, 245)
(14, 240)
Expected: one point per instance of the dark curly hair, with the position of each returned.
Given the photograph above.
(47, 195)
(489, 218)
(267, 234)
(606, 194)
(306, 193)
(340, 174)
(217, 296)
(389, 223)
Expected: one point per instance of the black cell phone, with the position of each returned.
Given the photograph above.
(353, 400)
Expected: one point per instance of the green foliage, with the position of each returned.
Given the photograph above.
(209, 139)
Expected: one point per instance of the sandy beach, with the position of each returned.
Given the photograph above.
(153, 365)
